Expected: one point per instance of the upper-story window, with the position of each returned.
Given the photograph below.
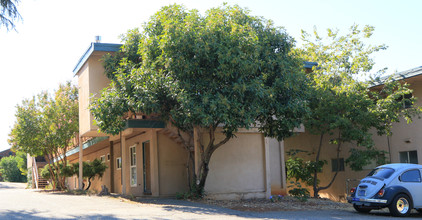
(407, 103)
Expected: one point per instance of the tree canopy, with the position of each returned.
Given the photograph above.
(9, 169)
(9, 13)
(342, 105)
(45, 125)
(226, 69)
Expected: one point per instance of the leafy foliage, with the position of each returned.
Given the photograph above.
(9, 13)
(9, 169)
(300, 169)
(95, 168)
(226, 68)
(342, 106)
(45, 126)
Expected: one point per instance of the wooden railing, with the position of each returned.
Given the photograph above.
(35, 172)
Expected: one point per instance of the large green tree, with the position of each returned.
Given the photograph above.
(342, 104)
(10, 171)
(45, 126)
(214, 73)
(9, 13)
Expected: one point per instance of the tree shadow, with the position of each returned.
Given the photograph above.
(34, 215)
(12, 185)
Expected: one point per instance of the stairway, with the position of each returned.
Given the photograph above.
(175, 137)
(42, 183)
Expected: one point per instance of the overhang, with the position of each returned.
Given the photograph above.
(399, 76)
(106, 47)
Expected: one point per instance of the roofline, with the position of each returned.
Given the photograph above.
(417, 71)
(107, 47)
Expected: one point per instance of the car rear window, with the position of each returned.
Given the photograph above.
(382, 172)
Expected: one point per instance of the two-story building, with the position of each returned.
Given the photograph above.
(147, 158)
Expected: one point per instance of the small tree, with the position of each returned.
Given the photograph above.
(45, 126)
(9, 169)
(214, 73)
(93, 169)
(342, 106)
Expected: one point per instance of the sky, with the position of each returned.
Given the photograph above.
(53, 35)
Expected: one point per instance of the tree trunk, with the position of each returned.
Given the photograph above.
(315, 186)
(338, 164)
(206, 158)
(89, 182)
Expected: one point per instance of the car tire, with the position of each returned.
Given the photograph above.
(361, 209)
(400, 206)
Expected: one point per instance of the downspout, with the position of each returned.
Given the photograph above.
(389, 147)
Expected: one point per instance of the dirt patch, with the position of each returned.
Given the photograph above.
(284, 204)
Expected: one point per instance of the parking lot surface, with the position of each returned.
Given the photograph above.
(16, 202)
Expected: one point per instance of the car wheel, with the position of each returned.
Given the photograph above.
(401, 206)
(361, 209)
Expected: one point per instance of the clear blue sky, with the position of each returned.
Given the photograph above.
(54, 34)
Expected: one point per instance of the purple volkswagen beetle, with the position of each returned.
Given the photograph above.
(396, 186)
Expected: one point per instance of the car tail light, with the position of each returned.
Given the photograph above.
(353, 190)
(381, 192)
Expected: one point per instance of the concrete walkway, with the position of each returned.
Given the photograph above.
(16, 202)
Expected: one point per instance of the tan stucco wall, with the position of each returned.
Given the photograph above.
(97, 182)
(237, 169)
(407, 137)
(91, 81)
(172, 166)
(308, 142)
(276, 148)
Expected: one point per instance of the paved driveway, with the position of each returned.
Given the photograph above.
(19, 203)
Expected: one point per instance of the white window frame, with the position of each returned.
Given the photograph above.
(108, 157)
(133, 171)
(103, 159)
(118, 163)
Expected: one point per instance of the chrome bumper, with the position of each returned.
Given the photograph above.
(352, 199)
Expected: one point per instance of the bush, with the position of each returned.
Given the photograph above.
(10, 170)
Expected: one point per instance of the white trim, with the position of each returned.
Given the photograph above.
(117, 163)
(132, 163)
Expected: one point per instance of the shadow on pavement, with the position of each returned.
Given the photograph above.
(34, 215)
(194, 207)
(9, 185)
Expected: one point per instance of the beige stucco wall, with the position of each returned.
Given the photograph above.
(308, 142)
(237, 169)
(97, 182)
(407, 137)
(276, 148)
(172, 166)
(91, 81)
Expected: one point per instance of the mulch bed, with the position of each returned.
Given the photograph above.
(284, 204)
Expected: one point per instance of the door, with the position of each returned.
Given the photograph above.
(146, 162)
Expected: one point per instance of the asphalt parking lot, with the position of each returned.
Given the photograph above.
(16, 202)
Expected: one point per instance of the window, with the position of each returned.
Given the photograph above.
(409, 157)
(133, 176)
(411, 176)
(108, 157)
(102, 158)
(118, 163)
(383, 173)
(406, 103)
(334, 164)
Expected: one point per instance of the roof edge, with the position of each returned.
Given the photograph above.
(108, 47)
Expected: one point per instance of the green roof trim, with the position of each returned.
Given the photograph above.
(136, 123)
(87, 144)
